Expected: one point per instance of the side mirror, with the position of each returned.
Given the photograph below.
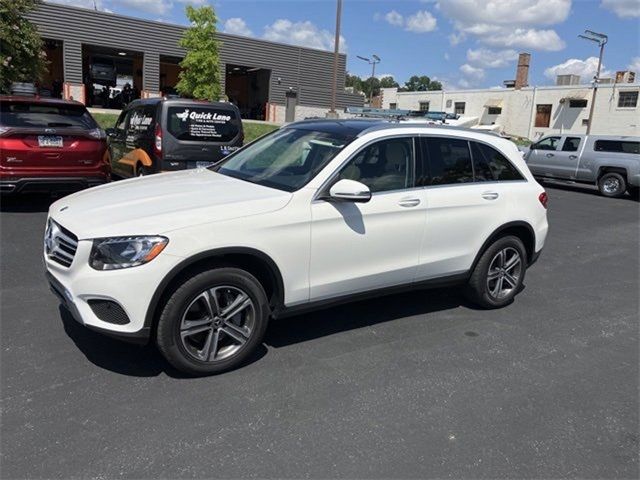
(111, 132)
(350, 191)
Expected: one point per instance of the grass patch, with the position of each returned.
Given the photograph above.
(251, 130)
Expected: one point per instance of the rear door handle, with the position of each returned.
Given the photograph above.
(549, 155)
(409, 202)
(573, 157)
(490, 195)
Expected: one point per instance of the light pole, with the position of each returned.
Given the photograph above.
(336, 50)
(371, 61)
(601, 40)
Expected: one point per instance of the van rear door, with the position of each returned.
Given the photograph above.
(198, 134)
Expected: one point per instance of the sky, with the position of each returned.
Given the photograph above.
(462, 43)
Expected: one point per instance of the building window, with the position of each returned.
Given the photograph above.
(494, 110)
(449, 103)
(577, 103)
(628, 99)
(424, 106)
(393, 106)
(543, 115)
(585, 122)
(459, 108)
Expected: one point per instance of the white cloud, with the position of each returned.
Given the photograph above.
(421, 22)
(507, 23)
(623, 8)
(472, 73)
(304, 34)
(525, 38)
(394, 18)
(585, 68)
(446, 56)
(634, 66)
(485, 58)
(507, 12)
(236, 26)
(159, 7)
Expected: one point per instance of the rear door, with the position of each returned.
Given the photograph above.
(541, 156)
(48, 136)
(197, 134)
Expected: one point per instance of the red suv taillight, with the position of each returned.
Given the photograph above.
(544, 199)
(157, 145)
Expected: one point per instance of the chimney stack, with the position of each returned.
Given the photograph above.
(522, 73)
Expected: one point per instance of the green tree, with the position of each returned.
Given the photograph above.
(22, 57)
(200, 74)
(421, 83)
(388, 82)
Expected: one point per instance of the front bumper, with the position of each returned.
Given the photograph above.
(49, 184)
(79, 287)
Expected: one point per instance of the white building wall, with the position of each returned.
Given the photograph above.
(519, 108)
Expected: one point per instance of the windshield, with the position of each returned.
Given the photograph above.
(286, 159)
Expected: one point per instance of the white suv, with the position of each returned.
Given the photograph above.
(314, 213)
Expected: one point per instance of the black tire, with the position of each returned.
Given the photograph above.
(182, 353)
(142, 171)
(478, 289)
(612, 185)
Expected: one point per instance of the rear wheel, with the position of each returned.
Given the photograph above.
(213, 322)
(612, 184)
(498, 275)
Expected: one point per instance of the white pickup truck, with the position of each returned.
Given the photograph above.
(611, 163)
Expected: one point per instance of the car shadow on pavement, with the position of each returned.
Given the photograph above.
(581, 188)
(146, 361)
(26, 203)
(125, 358)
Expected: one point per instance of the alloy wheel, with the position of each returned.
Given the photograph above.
(217, 323)
(504, 273)
(611, 185)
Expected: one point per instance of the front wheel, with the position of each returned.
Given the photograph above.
(213, 322)
(498, 275)
(612, 184)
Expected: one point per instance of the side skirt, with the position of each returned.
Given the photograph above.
(447, 281)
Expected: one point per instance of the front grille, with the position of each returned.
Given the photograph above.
(60, 244)
(109, 311)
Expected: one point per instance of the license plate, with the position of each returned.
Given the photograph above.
(203, 164)
(49, 141)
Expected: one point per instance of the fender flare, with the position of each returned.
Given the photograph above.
(496, 233)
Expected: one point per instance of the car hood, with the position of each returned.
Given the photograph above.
(160, 203)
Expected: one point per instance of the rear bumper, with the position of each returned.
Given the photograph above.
(49, 184)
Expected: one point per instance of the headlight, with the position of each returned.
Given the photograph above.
(124, 252)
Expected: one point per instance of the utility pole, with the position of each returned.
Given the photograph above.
(371, 61)
(601, 39)
(336, 51)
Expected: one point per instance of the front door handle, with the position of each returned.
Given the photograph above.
(409, 202)
(490, 195)
(549, 155)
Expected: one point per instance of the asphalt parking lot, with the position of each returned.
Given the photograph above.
(408, 386)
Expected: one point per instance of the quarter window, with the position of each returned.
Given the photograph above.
(617, 146)
(628, 99)
(383, 166)
(491, 165)
(449, 161)
(571, 144)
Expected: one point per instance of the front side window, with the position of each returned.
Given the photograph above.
(571, 144)
(383, 166)
(286, 159)
(490, 165)
(628, 99)
(449, 160)
(548, 143)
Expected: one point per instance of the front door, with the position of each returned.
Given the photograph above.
(364, 246)
(541, 156)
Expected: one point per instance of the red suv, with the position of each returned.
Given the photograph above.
(49, 144)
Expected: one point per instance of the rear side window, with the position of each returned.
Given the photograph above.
(43, 115)
(571, 144)
(490, 165)
(449, 161)
(141, 119)
(616, 146)
(202, 123)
